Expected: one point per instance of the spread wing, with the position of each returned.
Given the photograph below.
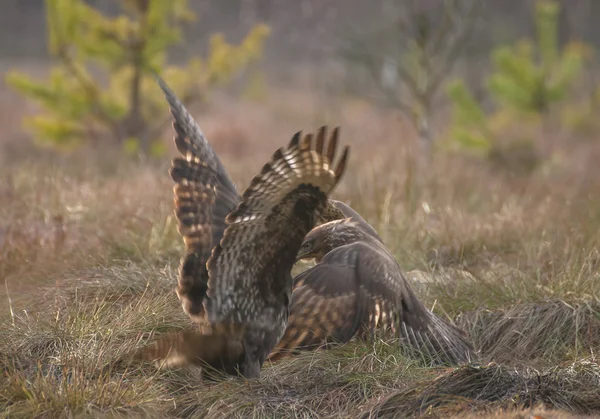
(291, 190)
(204, 195)
(358, 289)
(191, 138)
(249, 269)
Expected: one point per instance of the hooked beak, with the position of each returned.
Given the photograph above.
(303, 254)
(307, 256)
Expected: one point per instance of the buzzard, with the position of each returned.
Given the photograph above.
(356, 288)
(322, 309)
(235, 279)
(337, 210)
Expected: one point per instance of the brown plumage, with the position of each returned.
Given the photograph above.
(204, 195)
(357, 289)
(324, 305)
(337, 210)
(240, 293)
(218, 348)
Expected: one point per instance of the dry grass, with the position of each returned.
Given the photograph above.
(89, 251)
(573, 388)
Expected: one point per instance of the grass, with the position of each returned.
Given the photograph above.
(89, 254)
(571, 387)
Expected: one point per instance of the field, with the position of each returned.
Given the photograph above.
(89, 254)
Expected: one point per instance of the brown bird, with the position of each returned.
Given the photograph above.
(203, 198)
(357, 288)
(337, 210)
(235, 279)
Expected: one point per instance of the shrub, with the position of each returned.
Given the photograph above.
(125, 50)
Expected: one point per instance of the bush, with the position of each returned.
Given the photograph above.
(127, 49)
(527, 80)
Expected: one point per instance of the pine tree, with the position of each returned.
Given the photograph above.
(125, 51)
(528, 78)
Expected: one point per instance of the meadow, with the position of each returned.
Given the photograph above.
(89, 254)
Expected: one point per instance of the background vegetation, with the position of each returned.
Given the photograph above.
(496, 222)
(130, 48)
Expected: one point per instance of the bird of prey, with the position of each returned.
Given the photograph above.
(235, 279)
(318, 309)
(337, 210)
(356, 288)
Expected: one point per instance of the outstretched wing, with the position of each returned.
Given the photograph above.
(358, 289)
(191, 140)
(204, 195)
(249, 269)
(290, 191)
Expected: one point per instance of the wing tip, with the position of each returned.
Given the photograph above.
(333, 142)
(342, 163)
(320, 144)
(295, 141)
(162, 83)
(441, 342)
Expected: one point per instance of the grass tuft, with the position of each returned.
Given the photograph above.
(574, 387)
(537, 332)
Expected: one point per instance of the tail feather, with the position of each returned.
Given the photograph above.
(440, 342)
(215, 347)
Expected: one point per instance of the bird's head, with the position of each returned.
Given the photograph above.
(326, 237)
(311, 247)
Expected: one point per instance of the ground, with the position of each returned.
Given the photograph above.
(89, 254)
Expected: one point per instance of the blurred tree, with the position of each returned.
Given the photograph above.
(527, 79)
(126, 50)
(410, 60)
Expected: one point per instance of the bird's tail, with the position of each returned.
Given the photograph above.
(216, 347)
(440, 342)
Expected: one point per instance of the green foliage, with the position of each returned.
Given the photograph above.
(527, 80)
(531, 77)
(127, 50)
(470, 128)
